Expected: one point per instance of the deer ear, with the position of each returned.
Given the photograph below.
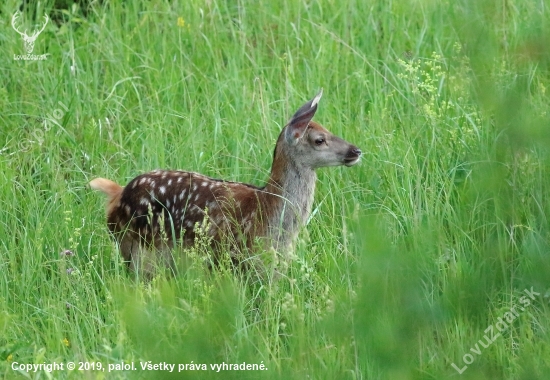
(297, 126)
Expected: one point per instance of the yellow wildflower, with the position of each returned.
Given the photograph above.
(182, 24)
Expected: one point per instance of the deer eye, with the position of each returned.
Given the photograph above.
(320, 141)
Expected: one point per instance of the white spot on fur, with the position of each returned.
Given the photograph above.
(144, 201)
(217, 220)
(162, 189)
(168, 203)
(169, 182)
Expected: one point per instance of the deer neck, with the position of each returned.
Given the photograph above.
(288, 197)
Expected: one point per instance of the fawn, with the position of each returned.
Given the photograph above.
(158, 210)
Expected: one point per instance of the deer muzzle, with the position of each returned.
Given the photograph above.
(353, 156)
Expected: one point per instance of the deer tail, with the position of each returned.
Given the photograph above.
(110, 188)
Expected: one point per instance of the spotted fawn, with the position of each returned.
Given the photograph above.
(162, 209)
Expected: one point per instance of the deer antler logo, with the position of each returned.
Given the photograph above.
(28, 40)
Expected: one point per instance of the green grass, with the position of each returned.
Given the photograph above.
(410, 256)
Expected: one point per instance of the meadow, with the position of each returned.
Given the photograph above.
(430, 259)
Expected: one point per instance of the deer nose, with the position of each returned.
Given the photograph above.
(353, 155)
(354, 151)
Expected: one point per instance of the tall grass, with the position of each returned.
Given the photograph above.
(409, 257)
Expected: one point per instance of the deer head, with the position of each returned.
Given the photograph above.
(28, 40)
(308, 144)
